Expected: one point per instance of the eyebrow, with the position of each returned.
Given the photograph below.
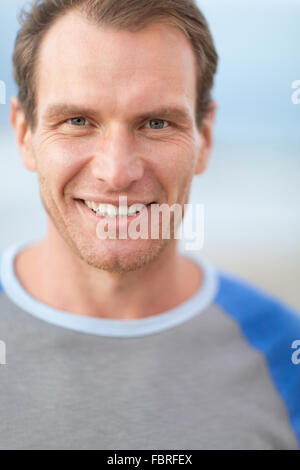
(62, 109)
(168, 112)
(179, 114)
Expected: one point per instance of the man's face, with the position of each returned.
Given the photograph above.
(115, 117)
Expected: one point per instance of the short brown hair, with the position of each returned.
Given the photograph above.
(129, 15)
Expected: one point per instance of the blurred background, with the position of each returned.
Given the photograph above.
(251, 190)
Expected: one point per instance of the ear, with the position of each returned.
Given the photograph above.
(206, 137)
(23, 133)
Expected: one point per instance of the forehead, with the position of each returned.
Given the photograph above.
(86, 64)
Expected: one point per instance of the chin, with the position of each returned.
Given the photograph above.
(120, 256)
(115, 256)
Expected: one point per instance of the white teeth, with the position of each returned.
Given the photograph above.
(106, 210)
(109, 210)
(112, 210)
(123, 211)
(135, 208)
(89, 204)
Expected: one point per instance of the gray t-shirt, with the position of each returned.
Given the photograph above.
(217, 372)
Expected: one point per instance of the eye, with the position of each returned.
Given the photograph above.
(77, 121)
(156, 124)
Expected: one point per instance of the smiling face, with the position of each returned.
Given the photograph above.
(115, 117)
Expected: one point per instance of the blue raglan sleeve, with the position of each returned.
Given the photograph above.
(273, 328)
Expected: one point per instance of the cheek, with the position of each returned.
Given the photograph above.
(60, 161)
(175, 169)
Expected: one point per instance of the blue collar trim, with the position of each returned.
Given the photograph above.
(107, 327)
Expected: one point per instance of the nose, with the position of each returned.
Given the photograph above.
(116, 159)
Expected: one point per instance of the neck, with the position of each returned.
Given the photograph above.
(51, 272)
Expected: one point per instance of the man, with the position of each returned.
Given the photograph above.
(125, 343)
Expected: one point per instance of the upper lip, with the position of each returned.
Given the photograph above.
(115, 202)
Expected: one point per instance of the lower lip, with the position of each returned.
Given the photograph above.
(119, 221)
